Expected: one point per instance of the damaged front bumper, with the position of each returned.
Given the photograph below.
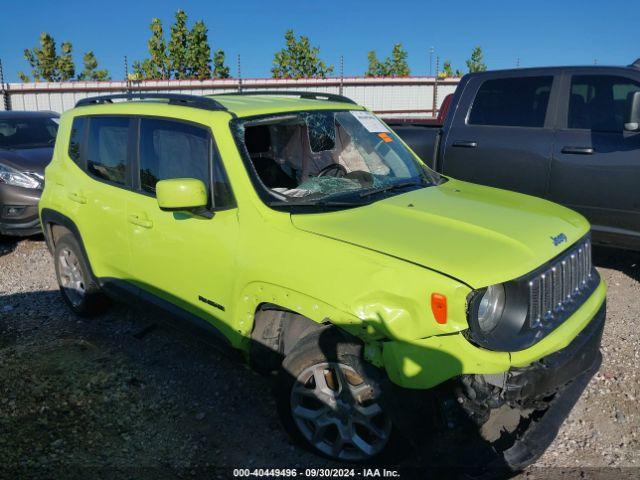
(542, 393)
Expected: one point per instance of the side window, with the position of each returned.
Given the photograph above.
(171, 149)
(600, 102)
(512, 102)
(75, 140)
(107, 148)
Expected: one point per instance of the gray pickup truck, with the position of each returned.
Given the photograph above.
(567, 134)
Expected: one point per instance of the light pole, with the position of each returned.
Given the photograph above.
(431, 50)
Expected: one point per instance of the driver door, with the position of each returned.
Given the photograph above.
(185, 259)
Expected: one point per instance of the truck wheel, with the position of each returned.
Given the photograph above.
(79, 290)
(329, 400)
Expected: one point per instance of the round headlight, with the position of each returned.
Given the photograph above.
(490, 308)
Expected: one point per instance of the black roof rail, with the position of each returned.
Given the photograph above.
(636, 64)
(331, 97)
(194, 101)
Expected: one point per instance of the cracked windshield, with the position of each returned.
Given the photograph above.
(312, 157)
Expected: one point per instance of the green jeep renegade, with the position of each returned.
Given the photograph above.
(306, 234)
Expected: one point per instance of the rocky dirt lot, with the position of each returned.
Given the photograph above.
(112, 397)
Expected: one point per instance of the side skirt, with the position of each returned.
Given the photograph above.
(170, 314)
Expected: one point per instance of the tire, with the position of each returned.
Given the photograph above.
(78, 287)
(343, 424)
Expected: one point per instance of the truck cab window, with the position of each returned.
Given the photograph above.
(600, 102)
(512, 102)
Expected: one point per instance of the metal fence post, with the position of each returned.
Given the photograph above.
(239, 76)
(341, 89)
(4, 90)
(434, 111)
(126, 75)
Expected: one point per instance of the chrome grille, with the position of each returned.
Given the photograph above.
(556, 290)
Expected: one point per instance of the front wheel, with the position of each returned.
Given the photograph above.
(329, 400)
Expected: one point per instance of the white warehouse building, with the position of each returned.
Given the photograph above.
(391, 97)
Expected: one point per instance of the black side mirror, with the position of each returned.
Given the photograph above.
(632, 123)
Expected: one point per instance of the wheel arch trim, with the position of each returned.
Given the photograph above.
(49, 218)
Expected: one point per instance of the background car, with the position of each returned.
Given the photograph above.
(26, 147)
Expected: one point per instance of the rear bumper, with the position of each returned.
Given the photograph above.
(19, 211)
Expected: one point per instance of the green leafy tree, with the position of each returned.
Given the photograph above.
(220, 70)
(47, 65)
(178, 46)
(476, 62)
(394, 66)
(187, 54)
(376, 68)
(158, 66)
(447, 70)
(397, 65)
(141, 70)
(45, 62)
(66, 67)
(199, 52)
(298, 59)
(90, 70)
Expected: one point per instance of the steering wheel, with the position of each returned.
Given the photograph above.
(339, 170)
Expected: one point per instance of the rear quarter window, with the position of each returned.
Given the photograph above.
(107, 148)
(512, 102)
(75, 139)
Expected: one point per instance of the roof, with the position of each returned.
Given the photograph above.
(27, 114)
(244, 104)
(550, 70)
(248, 105)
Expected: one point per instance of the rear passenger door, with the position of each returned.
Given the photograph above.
(184, 259)
(596, 163)
(96, 201)
(503, 137)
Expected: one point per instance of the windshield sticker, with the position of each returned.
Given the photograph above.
(385, 137)
(370, 122)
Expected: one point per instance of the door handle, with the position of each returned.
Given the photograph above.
(577, 150)
(76, 197)
(465, 144)
(137, 219)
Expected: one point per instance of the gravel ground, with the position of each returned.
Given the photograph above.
(112, 395)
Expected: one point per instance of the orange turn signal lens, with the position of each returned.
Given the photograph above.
(439, 307)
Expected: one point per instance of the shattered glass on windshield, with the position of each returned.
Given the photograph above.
(319, 154)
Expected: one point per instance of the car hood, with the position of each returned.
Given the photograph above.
(27, 159)
(478, 235)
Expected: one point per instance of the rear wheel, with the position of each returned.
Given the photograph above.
(329, 400)
(77, 286)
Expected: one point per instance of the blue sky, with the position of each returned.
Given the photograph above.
(539, 33)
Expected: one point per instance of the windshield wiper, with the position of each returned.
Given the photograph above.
(391, 186)
(314, 203)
